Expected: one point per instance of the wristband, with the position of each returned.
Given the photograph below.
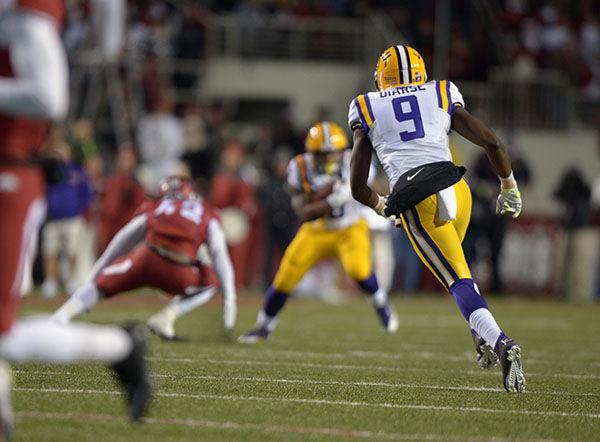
(509, 182)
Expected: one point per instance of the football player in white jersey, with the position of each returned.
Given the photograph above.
(332, 227)
(407, 122)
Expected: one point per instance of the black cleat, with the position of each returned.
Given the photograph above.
(134, 375)
(486, 358)
(509, 356)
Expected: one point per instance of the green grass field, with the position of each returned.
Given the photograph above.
(330, 373)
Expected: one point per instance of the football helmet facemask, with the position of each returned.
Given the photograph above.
(178, 187)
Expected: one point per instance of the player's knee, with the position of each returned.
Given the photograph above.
(358, 271)
(286, 279)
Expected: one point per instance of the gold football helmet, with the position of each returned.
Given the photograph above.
(326, 141)
(326, 136)
(399, 66)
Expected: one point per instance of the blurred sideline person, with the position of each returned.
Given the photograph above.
(33, 93)
(121, 196)
(234, 195)
(407, 122)
(332, 227)
(64, 228)
(160, 248)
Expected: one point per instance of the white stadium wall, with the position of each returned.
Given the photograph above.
(549, 154)
(307, 86)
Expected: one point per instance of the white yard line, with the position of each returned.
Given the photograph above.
(189, 360)
(229, 425)
(226, 378)
(401, 355)
(352, 404)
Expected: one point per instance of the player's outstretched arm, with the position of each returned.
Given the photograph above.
(360, 165)
(126, 239)
(474, 130)
(217, 247)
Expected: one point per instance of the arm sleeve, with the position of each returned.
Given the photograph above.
(293, 175)
(217, 248)
(354, 120)
(125, 240)
(39, 88)
(456, 98)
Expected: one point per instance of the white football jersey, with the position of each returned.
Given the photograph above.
(408, 126)
(303, 176)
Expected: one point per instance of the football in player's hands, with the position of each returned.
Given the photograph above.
(322, 193)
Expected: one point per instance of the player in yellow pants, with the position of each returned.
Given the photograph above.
(332, 228)
(407, 122)
(314, 243)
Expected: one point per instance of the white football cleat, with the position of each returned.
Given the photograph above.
(388, 318)
(162, 327)
(6, 411)
(486, 357)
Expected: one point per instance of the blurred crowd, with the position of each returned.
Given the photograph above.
(241, 167)
(526, 34)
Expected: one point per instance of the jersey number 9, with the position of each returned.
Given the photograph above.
(407, 109)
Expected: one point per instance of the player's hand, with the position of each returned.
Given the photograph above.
(509, 201)
(341, 195)
(381, 205)
(229, 313)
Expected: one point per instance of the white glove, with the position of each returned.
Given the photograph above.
(509, 200)
(381, 205)
(341, 195)
(229, 312)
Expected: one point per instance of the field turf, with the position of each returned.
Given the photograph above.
(330, 373)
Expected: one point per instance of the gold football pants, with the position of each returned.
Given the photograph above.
(314, 243)
(439, 243)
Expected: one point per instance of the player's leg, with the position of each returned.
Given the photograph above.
(308, 247)
(124, 274)
(40, 340)
(162, 323)
(353, 249)
(438, 245)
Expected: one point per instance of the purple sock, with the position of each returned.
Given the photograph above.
(274, 301)
(500, 338)
(370, 284)
(466, 297)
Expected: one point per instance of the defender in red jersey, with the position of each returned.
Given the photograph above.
(33, 95)
(161, 248)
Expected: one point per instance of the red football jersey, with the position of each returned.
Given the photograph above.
(179, 225)
(23, 137)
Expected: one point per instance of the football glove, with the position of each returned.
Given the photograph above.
(341, 195)
(381, 205)
(229, 312)
(509, 201)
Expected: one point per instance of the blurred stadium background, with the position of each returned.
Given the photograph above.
(225, 90)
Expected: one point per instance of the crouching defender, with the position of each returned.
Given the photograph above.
(407, 122)
(160, 248)
(333, 227)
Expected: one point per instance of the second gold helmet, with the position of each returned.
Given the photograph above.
(326, 136)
